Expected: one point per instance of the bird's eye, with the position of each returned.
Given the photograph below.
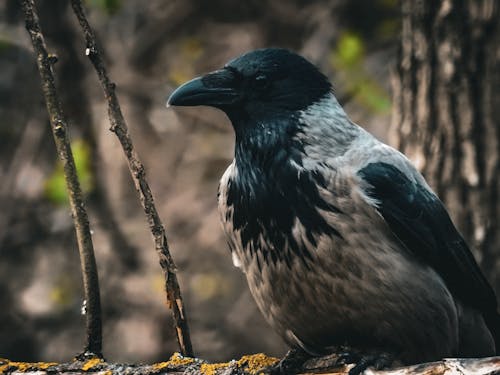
(260, 81)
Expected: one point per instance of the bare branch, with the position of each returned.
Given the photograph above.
(247, 365)
(93, 344)
(119, 127)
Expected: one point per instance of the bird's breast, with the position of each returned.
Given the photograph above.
(342, 275)
(275, 214)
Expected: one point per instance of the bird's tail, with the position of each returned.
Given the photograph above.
(493, 322)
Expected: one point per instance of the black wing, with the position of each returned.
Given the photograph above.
(419, 219)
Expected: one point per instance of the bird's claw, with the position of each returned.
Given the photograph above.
(346, 357)
(362, 361)
(290, 364)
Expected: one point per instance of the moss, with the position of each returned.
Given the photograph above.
(256, 362)
(91, 363)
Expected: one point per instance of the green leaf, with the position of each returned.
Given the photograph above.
(181, 69)
(63, 292)
(348, 58)
(350, 50)
(55, 185)
(373, 96)
(4, 45)
(110, 7)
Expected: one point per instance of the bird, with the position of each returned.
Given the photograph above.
(344, 245)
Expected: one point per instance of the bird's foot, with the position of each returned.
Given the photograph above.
(290, 364)
(363, 360)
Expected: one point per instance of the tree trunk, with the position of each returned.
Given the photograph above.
(447, 111)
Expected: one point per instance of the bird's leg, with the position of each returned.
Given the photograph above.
(291, 363)
(363, 360)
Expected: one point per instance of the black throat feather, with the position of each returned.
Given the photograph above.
(271, 192)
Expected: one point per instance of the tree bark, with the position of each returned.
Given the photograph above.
(246, 365)
(447, 111)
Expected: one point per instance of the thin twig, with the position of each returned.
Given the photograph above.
(119, 127)
(59, 127)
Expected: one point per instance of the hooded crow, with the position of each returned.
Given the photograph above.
(341, 239)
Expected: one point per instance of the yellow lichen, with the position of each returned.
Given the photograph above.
(45, 365)
(91, 363)
(178, 360)
(23, 366)
(256, 362)
(160, 365)
(211, 368)
(175, 360)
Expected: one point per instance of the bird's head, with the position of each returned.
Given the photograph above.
(257, 87)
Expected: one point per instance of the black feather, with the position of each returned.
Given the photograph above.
(419, 219)
(270, 193)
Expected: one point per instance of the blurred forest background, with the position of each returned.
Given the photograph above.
(152, 47)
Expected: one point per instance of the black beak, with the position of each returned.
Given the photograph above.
(215, 89)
